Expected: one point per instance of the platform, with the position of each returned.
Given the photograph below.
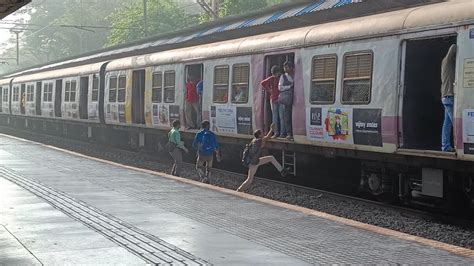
(59, 207)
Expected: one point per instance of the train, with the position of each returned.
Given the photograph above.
(378, 74)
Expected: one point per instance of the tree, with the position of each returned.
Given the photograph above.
(163, 16)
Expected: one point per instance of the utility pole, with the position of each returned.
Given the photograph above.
(145, 19)
(16, 32)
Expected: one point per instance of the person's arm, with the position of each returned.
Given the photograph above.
(266, 83)
(266, 137)
(451, 53)
(281, 84)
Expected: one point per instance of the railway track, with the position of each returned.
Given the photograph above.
(401, 218)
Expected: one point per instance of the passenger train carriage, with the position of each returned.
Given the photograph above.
(376, 76)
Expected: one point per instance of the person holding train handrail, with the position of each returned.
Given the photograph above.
(448, 66)
(285, 98)
(176, 147)
(270, 85)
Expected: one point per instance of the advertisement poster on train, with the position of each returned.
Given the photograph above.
(315, 129)
(244, 120)
(173, 114)
(367, 127)
(223, 119)
(468, 130)
(337, 123)
(468, 73)
(329, 124)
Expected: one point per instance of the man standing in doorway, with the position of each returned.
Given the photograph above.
(285, 98)
(191, 103)
(270, 85)
(448, 66)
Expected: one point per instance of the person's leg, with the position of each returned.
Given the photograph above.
(199, 168)
(251, 173)
(209, 162)
(198, 116)
(173, 169)
(179, 161)
(289, 120)
(447, 124)
(272, 160)
(275, 118)
(283, 129)
(188, 112)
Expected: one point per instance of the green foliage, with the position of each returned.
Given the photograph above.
(163, 16)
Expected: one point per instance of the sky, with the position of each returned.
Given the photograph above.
(5, 33)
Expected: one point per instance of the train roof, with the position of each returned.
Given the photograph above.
(391, 23)
(60, 73)
(278, 18)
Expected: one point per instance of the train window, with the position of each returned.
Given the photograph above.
(221, 84)
(48, 92)
(157, 87)
(30, 93)
(16, 94)
(5, 95)
(72, 96)
(113, 89)
(169, 87)
(67, 91)
(240, 83)
(122, 82)
(323, 79)
(95, 88)
(357, 80)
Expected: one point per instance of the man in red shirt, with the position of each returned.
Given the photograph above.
(192, 103)
(270, 85)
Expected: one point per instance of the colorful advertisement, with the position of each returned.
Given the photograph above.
(315, 127)
(223, 119)
(329, 124)
(367, 127)
(468, 130)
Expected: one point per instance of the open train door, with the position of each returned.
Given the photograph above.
(83, 97)
(58, 94)
(270, 61)
(421, 108)
(138, 97)
(38, 98)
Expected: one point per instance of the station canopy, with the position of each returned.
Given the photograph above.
(9, 6)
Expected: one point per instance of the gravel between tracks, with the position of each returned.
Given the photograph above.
(359, 211)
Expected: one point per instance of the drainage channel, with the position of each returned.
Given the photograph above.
(148, 247)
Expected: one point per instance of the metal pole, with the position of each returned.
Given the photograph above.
(145, 20)
(215, 8)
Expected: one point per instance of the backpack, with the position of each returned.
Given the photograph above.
(207, 146)
(246, 155)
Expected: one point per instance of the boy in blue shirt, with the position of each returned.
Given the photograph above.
(205, 142)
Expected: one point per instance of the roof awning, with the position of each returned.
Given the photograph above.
(9, 6)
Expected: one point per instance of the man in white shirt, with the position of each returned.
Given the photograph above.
(286, 89)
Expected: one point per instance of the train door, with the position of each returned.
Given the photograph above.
(270, 61)
(22, 98)
(83, 97)
(1, 99)
(38, 98)
(58, 93)
(138, 97)
(422, 110)
(194, 74)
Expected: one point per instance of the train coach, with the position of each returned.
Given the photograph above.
(378, 75)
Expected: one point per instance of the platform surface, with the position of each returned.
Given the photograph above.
(60, 208)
